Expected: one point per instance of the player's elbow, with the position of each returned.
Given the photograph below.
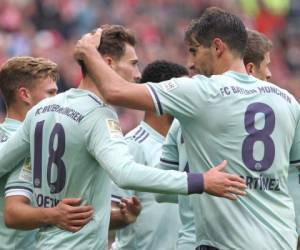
(122, 183)
(10, 219)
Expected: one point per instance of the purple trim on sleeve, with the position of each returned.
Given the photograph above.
(143, 139)
(195, 183)
(156, 99)
(169, 162)
(294, 162)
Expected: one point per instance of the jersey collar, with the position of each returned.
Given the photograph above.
(241, 77)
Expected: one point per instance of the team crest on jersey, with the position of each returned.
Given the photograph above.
(114, 128)
(26, 173)
(169, 85)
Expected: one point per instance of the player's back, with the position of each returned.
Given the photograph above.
(250, 123)
(63, 165)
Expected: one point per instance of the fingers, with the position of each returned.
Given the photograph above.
(80, 216)
(236, 178)
(71, 201)
(236, 191)
(229, 196)
(80, 223)
(136, 201)
(81, 209)
(221, 166)
(237, 185)
(72, 229)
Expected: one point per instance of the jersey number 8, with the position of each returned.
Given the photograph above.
(263, 135)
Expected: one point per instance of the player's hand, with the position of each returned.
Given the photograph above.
(130, 208)
(69, 215)
(87, 44)
(219, 183)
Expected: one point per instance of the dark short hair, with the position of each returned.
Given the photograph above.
(161, 70)
(113, 41)
(218, 23)
(23, 71)
(257, 46)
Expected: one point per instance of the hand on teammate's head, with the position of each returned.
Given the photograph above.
(87, 42)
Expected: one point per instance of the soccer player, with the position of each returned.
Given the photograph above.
(76, 146)
(24, 81)
(145, 143)
(257, 60)
(257, 55)
(252, 123)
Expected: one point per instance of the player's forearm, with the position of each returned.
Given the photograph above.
(25, 217)
(11, 154)
(132, 175)
(106, 80)
(113, 88)
(168, 198)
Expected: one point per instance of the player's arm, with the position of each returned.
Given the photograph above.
(20, 214)
(67, 214)
(124, 212)
(169, 160)
(104, 144)
(114, 89)
(176, 96)
(16, 148)
(13, 151)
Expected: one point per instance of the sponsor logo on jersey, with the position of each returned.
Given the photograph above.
(169, 85)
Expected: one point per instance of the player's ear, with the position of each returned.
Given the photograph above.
(219, 46)
(24, 95)
(108, 60)
(250, 67)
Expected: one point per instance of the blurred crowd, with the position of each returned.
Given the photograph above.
(50, 28)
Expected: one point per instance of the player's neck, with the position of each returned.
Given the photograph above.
(230, 63)
(159, 123)
(88, 84)
(16, 112)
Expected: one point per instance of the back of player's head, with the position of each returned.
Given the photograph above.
(257, 46)
(113, 42)
(23, 71)
(218, 23)
(161, 70)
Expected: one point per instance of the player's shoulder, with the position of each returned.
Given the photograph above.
(83, 100)
(74, 103)
(7, 128)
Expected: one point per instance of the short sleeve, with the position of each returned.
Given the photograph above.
(179, 97)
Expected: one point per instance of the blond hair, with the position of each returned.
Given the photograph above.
(23, 71)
